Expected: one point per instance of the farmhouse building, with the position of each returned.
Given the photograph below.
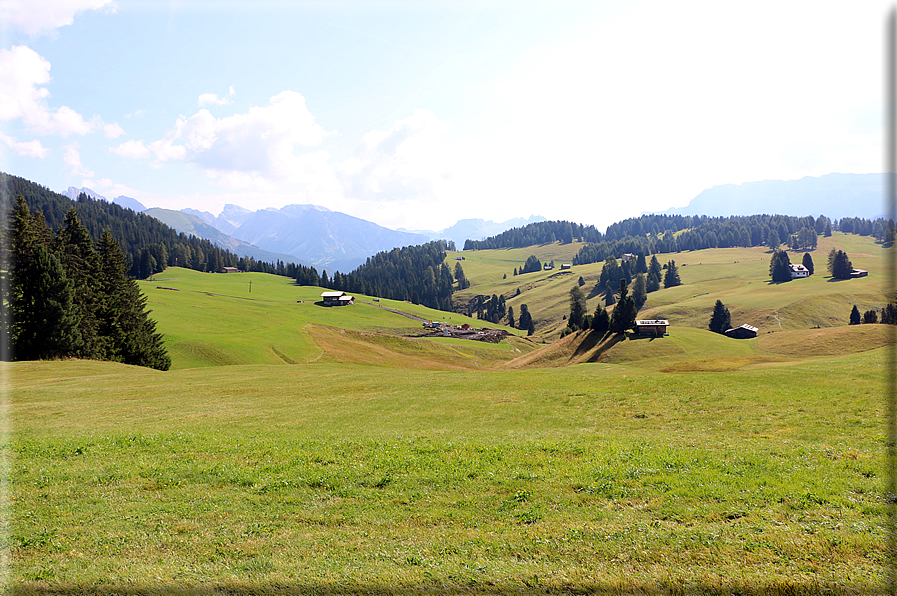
(859, 273)
(228, 270)
(798, 270)
(652, 327)
(742, 332)
(566, 266)
(628, 257)
(547, 266)
(337, 299)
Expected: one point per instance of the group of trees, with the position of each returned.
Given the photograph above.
(780, 265)
(542, 232)
(149, 245)
(417, 274)
(71, 299)
(622, 317)
(532, 265)
(839, 265)
(888, 315)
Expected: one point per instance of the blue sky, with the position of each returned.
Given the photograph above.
(417, 114)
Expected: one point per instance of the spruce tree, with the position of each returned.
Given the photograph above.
(600, 320)
(841, 266)
(808, 262)
(780, 266)
(128, 334)
(510, 316)
(623, 315)
(654, 275)
(80, 262)
(45, 320)
(640, 291)
(609, 298)
(577, 308)
(720, 320)
(671, 277)
(855, 315)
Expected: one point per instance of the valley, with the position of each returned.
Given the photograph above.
(294, 447)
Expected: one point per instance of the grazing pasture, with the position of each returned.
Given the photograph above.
(295, 448)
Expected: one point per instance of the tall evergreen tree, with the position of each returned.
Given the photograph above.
(525, 319)
(841, 266)
(639, 291)
(129, 335)
(601, 320)
(780, 266)
(654, 275)
(720, 320)
(511, 316)
(808, 262)
(80, 262)
(45, 320)
(855, 315)
(671, 277)
(609, 297)
(578, 309)
(623, 315)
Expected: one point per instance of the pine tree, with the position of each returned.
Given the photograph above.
(870, 317)
(855, 315)
(720, 320)
(772, 239)
(45, 320)
(577, 308)
(80, 262)
(609, 298)
(640, 291)
(127, 332)
(780, 266)
(510, 316)
(671, 277)
(841, 266)
(808, 262)
(525, 319)
(623, 315)
(600, 320)
(654, 275)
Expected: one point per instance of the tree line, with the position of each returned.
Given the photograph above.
(148, 244)
(543, 232)
(68, 297)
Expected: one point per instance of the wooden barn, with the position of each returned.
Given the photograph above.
(742, 332)
(652, 327)
(336, 299)
(228, 270)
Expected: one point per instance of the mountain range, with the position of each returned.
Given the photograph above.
(832, 195)
(126, 202)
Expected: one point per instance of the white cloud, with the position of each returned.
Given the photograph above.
(113, 131)
(211, 99)
(72, 159)
(409, 160)
(253, 146)
(23, 96)
(33, 18)
(132, 150)
(26, 148)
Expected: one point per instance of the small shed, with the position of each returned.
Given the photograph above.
(742, 332)
(859, 273)
(228, 270)
(331, 298)
(547, 266)
(798, 270)
(566, 266)
(628, 256)
(652, 327)
(345, 300)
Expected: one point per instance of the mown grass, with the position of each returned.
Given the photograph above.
(212, 319)
(351, 479)
(737, 276)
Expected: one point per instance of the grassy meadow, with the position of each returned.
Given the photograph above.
(737, 276)
(297, 449)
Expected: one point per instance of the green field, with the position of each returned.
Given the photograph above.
(295, 448)
(737, 276)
